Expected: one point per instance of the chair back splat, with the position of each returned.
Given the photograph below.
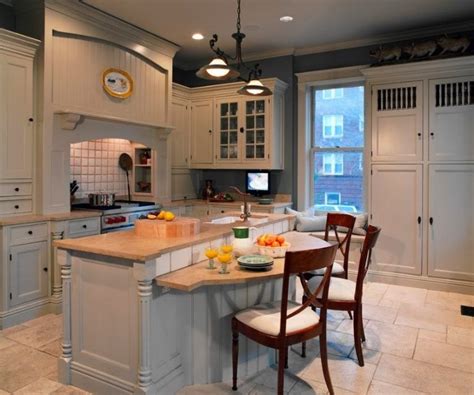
(370, 240)
(299, 262)
(336, 221)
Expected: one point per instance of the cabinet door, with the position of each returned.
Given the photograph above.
(397, 122)
(396, 205)
(451, 224)
(16, 126)
(451, 119)
(28, 272)
(201, 133)
(255, 136)
(180, 118)
(228, 125)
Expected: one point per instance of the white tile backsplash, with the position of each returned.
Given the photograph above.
(94, 164)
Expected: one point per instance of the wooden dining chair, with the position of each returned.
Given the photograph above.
(281, 324)
(342, 225)
(346, 295)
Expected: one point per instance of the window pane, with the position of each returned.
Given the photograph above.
(338, 173)
(339, 118)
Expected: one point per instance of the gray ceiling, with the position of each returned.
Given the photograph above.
(317, 25)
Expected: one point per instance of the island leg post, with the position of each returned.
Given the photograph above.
(64, 363)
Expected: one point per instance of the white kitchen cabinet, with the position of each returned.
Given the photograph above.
(16, 119)
(397, 122)
(229, 124)
(451, 221)
(202, 133)
(451, 119)
(28, 272)
(180, 144)
(396, 206)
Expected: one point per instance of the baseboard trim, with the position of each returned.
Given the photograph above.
(24, 313)
(408, 280)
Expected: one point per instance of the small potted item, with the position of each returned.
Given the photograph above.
(224, 259)
(211, 253)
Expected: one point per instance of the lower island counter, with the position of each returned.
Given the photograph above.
(144, 315)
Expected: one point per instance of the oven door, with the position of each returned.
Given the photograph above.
(122, 228)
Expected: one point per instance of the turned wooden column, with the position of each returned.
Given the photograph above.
(57, 288)
(144, 273)
(64, 364)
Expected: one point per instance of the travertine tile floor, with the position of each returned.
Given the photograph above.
(417, 343)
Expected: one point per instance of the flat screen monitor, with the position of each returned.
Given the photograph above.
(258, 182)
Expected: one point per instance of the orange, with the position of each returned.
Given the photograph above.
(280, 239)
(269, 240)
(261, 242)
(169, 216)
(275, 244)
(161, 215)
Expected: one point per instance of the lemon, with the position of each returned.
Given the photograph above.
(169, 216)
(161, 215)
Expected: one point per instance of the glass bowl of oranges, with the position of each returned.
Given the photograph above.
(272, 245)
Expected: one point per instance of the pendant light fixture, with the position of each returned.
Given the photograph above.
(219, 68)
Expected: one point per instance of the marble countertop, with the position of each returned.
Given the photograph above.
(28, 219)
(128, 245)
(197, 275)
(233, 204)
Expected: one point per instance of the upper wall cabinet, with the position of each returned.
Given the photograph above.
(231, 131)
(451, 119)
(397, 122)
(181, 120)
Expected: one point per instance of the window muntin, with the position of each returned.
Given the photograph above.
(333, 126)
(337, 149)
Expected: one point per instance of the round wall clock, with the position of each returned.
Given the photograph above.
(117, 83)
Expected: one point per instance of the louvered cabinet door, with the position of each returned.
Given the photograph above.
(397, 122)
(451, 119)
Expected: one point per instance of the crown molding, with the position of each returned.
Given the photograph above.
(18, 43)
(388, 38)
(349, 74)
(101, 20)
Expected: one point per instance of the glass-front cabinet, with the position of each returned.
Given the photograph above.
(242, 130)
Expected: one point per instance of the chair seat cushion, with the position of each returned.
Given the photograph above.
(339, 288)
(266, 318)
(337, 268)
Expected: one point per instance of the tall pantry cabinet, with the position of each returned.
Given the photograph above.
(422, 168)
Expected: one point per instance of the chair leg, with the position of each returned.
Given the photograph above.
(281, 369)
(286, 357)
(303, 349)
(362, 332)
(357, 336)
(324, 361)
(235, 356)
(350, 314)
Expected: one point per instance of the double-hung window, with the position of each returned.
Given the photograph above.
(338, 148)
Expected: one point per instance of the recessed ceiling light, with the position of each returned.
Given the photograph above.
(286, 18)
(197, 36)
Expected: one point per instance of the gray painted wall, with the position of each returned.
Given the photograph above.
(7, 17)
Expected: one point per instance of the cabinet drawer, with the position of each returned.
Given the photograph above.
(28, 233)
(16, 206)
(84, 227)
(16, 189)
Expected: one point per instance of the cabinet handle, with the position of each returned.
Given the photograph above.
(84, 226)
(30, 232)
(45, 269)
(17, 189)
(431, 220)
(419, 220)
(17, 206)
(242, 130)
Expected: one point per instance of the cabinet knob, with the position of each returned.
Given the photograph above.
(431, 220)
(432, 134)
(84, 226)
(30, 232)
(419, 220)
(45, 269)
(17, 206)
(419, 134)
(30, 119)
(210, 131)
(17, 189)
(242, 130)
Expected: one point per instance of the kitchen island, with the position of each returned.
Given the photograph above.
(143, 315)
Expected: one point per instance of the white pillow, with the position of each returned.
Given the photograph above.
(360, 225)
(311, 224)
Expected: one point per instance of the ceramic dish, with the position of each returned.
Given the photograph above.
(255, 262)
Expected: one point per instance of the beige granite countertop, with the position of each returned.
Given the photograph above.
(197, 275)
(28, 219)
(233, 204)
(127, 245)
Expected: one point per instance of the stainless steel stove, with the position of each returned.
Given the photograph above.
(122, 215)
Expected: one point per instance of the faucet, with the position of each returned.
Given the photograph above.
(246, 214)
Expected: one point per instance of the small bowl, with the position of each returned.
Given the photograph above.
(274, 252)
(265, 201)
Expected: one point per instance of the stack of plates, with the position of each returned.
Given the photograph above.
(255, 262)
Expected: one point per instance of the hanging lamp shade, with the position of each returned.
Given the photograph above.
(217, 69)
(254, 88)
